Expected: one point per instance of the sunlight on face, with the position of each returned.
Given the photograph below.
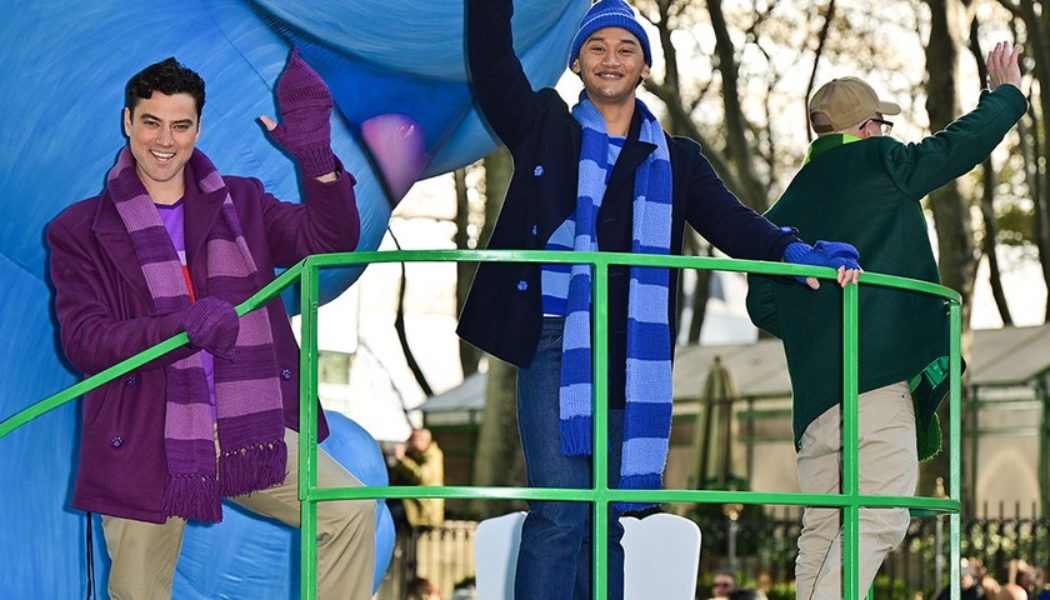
(162, 133)
(611, 64)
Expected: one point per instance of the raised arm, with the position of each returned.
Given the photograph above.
(329, 221)
(503, 91)
(923, 167)
(305, 130)
(714, 212)
(742, 233)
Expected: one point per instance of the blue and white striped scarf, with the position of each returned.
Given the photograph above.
(647, 421)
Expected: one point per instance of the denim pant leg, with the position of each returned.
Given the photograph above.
(554, 562)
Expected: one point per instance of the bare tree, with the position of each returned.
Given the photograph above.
(991, 227)
(950, 206)
(469, 356)
(498, 460)
(1035, 17)
(822, 40)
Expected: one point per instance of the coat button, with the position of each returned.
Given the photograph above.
(286, 374)
(523, 285)
(130, 381)
(535, 231)
(117, 441)
(538, 171)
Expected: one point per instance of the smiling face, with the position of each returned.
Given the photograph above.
(611, 64)
(162, 132)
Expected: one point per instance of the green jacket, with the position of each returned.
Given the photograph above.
(867, 193)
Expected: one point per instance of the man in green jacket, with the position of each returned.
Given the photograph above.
(863, 187)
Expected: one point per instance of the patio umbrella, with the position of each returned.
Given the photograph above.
(711, 454)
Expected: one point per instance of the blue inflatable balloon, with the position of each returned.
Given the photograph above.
(399, 79)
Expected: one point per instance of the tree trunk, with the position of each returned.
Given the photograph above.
(498, 460)
(1036, 27)
(822, 39)
(469, 356)
(991, 226)
(951, 209)
(738, 149)
(726, 165)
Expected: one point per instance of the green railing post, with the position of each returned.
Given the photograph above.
(308, 433)
(850, 445)
(955, 441)
(600, 498)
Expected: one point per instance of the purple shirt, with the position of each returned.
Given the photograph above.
(174, 218)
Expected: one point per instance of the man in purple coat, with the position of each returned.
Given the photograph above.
(171, 245)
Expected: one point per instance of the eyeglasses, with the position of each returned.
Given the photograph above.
(884, 125)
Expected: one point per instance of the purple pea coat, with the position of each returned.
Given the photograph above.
(106, 315)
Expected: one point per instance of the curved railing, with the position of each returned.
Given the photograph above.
(850, 500)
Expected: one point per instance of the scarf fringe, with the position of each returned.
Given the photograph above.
(622, 508)
(254, 468)
(575, 436)
(647, 481)
(193, 498)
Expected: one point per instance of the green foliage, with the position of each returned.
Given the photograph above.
(1016, 225)
(887, 588)
(716, 539)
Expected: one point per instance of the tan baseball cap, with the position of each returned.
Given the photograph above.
(847, 101)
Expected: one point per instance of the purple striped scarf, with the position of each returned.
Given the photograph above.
(247, 390)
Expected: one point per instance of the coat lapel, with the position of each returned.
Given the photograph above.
(114, 240)
(202, 209)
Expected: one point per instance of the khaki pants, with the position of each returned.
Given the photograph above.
(888, 465)
(144, 554)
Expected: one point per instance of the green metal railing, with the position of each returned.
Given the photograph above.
(850, 500)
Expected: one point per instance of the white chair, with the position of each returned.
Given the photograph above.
(661, 556)
(496, 544)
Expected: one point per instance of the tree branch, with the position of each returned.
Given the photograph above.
(822, 39)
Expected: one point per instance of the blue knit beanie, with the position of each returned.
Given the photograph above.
(610, 13)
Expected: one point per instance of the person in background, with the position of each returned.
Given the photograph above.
(420, 462)
(723, 584)
(969, 583)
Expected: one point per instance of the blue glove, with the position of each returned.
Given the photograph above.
(824, 254)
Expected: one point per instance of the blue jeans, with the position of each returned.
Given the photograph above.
(554, 562)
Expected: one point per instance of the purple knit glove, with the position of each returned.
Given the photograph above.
(306, 107)
(212, 324)
(824, 254)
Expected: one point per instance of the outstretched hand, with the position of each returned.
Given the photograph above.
(1003, 66)
(838, 255)
(306, 109)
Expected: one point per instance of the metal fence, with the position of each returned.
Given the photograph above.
(764, 549)
(444, 556)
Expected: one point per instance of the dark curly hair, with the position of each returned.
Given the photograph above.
(169, 77)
